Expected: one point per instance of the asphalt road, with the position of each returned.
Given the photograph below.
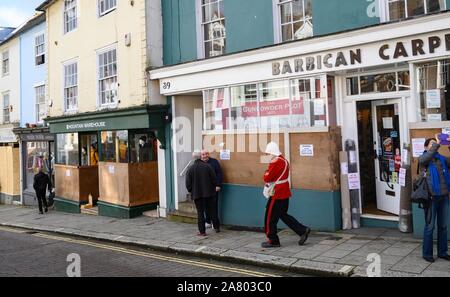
(30, 254)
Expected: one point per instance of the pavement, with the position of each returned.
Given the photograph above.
(346, 253)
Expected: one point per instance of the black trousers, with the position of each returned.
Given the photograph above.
(205, 205)
(276, 210)
(40, 194)
(215, 210)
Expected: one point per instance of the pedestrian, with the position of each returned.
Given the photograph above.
(94, 155)
(438, 179)
(201, 183)
(278, 204)
(214, 163)
(41, 184)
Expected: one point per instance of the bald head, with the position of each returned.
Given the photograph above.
(205, 155)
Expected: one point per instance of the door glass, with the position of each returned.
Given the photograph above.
(388, 133)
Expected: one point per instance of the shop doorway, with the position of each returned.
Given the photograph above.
(379, 142)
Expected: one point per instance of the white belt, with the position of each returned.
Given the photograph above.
(282, 181)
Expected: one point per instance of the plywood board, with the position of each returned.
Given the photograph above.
(67, 183)
(144, 185)
(114, 185)
(89, 182)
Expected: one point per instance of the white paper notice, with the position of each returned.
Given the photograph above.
(405, 156)
(402, 177)
(319, 123)
(352, 157)
(225, 155)
(306, 150)
(388, 123)
(433, 98)
(417, 145)
(68, 172)
(353, 181)
(319, 107)
(344, 168)
(111, 169)
(434, 117)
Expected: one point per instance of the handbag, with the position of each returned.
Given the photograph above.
(269, 188)
(421, 191)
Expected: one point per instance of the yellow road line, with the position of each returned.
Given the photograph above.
(7, 229)
(159, 257)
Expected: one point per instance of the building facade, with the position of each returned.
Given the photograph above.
(319, 77)
(10, 115)
(109, 132)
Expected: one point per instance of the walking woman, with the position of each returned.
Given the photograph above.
(438, 179)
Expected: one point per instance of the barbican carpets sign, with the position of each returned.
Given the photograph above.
(370, 55)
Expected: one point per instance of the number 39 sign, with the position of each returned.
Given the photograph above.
(165, 85)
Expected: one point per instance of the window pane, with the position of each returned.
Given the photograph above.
(286, 31)
(416, 7)
(297, 10)
(404, 81)
(301, 96)
(274, 105)
(67, 149)
(378, 83)
(435, 5)
(108, 146)
(397, 10)
(352, 86)
(143, 147)
(286, 13)
(217, 109)
(89, 149)
(244, 107)
(37, 155)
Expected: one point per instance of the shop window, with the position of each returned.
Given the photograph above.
(274, 104)
(89, 150)
(378, 83)
(70, 15)
(39, 49)
(114, 146)
(295, 19)
(244, 107)
(213, 26)
(217, 109)
(105, 6)
(37, 156)
(6, 108)
(400, 9)
(143, 147)
(107, 63)
(41, 110)
(67, 149)
(434, 90)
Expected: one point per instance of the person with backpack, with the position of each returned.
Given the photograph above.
(277, 176)
(436, 167)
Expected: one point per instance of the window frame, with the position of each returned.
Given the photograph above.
(98, 79)
(37, 103)
(6, 109)
(387, 15)
(201, 48)
(65, 11)
(100, 13)
(64, 65)
(36, 46)
(5, 62)
(278, 30)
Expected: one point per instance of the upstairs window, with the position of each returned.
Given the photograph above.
(105, 6)
(70, 15)
(295, 19)
(6, 108)
(5, 63)
(39, 49)
(213, 24)
(71, 86)
(41, 110)
(107, 83)
(401, 9)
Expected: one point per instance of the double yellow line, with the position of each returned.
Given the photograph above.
(149, 255)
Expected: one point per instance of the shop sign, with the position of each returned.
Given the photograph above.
(88, 125)
(272, 108)
(37, 137)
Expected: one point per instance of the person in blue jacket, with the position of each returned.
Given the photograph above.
(218, 171)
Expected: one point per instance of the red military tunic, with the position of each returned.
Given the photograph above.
(276, 168)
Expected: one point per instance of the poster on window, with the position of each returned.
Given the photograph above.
(418, 146)
(433, 98)
(434, 117)
(319, 108)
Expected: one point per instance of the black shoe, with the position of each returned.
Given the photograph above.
(446, 257)
(304, 237)
(429, 259)
(268, 245)
(46, 209)
(40, 212)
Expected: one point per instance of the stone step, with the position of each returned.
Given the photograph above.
(151, 213)
(182, 217)
(188, 207)
(90, 211)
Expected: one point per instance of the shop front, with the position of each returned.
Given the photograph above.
(379, 87)
(36, 150)
(109, 160)
(9, 168)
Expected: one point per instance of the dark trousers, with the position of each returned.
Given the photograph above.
(276, 210)
(215, 209)
(40, 194)
(437, 212)
(205, 205)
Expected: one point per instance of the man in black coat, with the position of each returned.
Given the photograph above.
(215, 165)
(201, 183)
(41, 184)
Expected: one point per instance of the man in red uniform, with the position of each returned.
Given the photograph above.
(278, 204)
